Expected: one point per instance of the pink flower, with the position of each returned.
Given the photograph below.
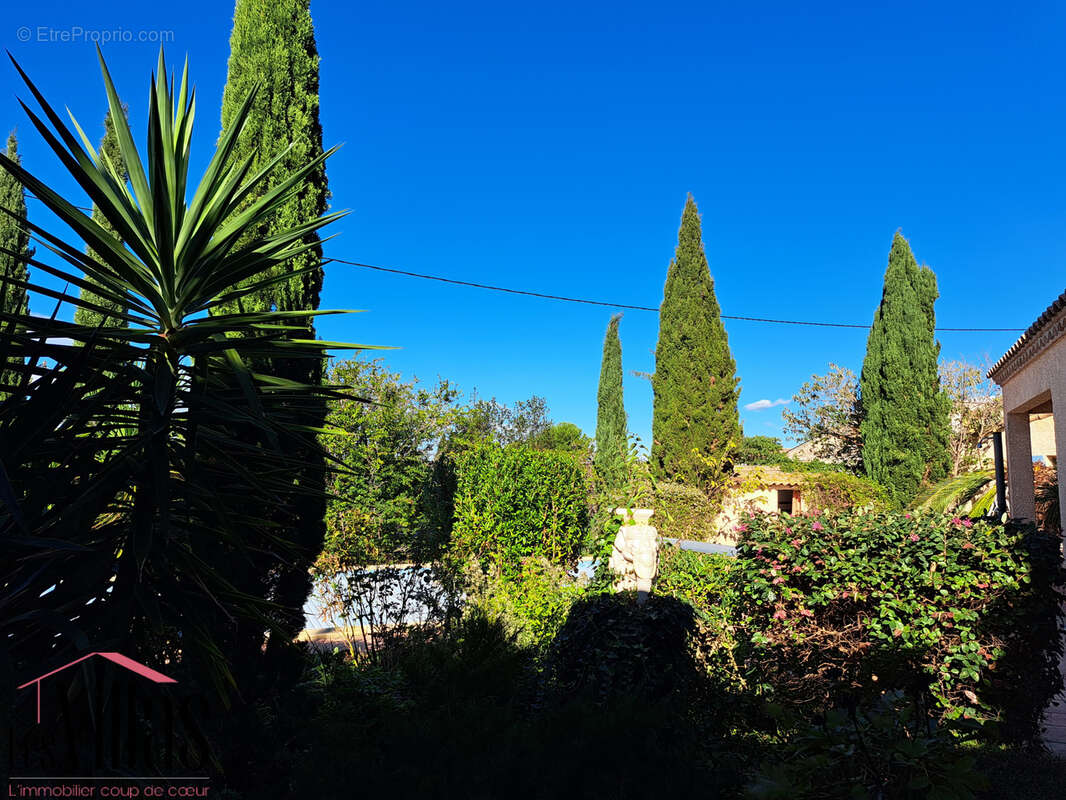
(967, 545)
(778, 580)
(806, 612)
(795, 542)
(779, 614)
(817, 526)
(956, 521)
(742, 528)
(914, 537)
(967, 523)
(788, 530)
(907, 516)
(982, 586)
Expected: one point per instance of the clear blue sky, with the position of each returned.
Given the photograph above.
(549, 147)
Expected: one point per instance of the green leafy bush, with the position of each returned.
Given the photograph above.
(684, 512)
(700, 579)
(532, 603)
(841, 491)
(513, 503)
(961, 616)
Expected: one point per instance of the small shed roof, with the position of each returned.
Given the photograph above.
(772, 477)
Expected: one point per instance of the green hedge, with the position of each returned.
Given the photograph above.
(514, 503)
(684, 512)
(960, 615)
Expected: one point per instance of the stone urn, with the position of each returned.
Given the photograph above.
(635, 555)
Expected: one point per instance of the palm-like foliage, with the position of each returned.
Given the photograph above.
(131, 455)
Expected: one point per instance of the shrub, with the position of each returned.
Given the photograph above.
(532, 604)
(684, 512)
(888, 751)
(512, 503)
(840, 491)
(699, 579)
(610, 647)
(961, 616)
(703, 581)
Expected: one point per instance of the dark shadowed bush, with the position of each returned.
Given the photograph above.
(610, 647)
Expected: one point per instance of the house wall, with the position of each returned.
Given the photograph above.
(1042, 434)
(738, 506)
(1041, 380)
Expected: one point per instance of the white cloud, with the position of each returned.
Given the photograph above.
(762, 405)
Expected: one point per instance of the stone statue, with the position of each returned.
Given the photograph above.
(635, 556)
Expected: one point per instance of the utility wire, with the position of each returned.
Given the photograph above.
(632, 307)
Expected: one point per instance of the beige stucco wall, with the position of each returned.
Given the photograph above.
(737, 508)
(1042, 434)
(1028, 390)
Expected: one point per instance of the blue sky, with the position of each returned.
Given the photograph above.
(550, 146)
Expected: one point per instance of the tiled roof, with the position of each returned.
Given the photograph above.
(771, 476)
(1032, 331)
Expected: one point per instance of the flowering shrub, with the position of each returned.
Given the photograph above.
(962, 616)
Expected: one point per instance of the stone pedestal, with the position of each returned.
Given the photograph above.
(635, 556)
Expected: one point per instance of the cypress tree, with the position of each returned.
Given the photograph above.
(14, 246)
(272, 47)
(109, 153)
(906, 422)
(611, 441)
(695, 414)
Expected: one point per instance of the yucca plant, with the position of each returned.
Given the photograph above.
(132, 456)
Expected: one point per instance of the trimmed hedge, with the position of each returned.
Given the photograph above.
(962, 616)
(514, 503)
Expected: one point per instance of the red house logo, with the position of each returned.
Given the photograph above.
(116, 658)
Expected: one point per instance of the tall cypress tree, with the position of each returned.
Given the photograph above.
(906, 422)
(272, 46)
(14, 245)
(611, 441)
(695, 385)
(109, 153)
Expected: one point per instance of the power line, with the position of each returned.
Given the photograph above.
(544, 296)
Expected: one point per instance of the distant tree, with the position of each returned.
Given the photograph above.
(521, 422)
(14, 246)
(612, 441)
(387, 437)
(110, 158)
(695, 417)
(905, 425)
(825, 412)
(976, 412)
(760, 450)
(564, 437)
